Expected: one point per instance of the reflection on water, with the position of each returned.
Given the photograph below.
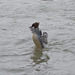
(38, 57)
(17, 55)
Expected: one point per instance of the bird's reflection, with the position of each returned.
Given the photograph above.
(38, 57)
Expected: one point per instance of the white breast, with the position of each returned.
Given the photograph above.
(36, 41)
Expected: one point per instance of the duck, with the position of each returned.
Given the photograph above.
(39, 39)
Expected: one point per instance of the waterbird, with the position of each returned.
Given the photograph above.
(39, 39)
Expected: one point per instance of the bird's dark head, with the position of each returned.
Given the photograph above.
(35, 25)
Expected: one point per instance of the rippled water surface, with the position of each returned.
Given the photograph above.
(18, 55)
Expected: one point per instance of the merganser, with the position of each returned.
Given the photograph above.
(37, 36)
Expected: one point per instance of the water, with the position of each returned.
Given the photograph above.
(18, 55)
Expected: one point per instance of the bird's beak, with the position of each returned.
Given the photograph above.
(30, 27)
